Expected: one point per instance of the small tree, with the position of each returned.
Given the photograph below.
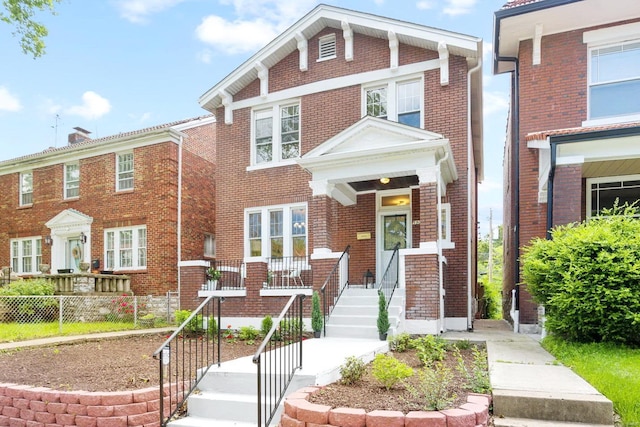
(316, 314)
(383, 315)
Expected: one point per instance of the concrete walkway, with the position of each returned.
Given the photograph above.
(530, 388)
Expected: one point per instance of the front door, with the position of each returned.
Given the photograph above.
(73, 254)
(394, 227)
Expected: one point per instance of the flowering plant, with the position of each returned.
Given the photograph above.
(213, 273)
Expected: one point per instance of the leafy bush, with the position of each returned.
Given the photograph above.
(248, 333)
(383, 315)
(430, 349)
(477, 380)
(434, 388)
(30, 309)
(290, 327)
(352, 371)
(316, 314)
(588, 278)
(197, 325)
(401, 342)
(266, 325)
(388, 370)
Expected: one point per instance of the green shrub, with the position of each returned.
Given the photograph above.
(352, 371)
(429, 349)
(477, 379)
(290, 327)
(400, 343)
(383, 315)
(388, 370)
(197, 324)
(248, 333)
(434, 389)
(588, 278)
(266, 325)
(317, 320)
(30, 309)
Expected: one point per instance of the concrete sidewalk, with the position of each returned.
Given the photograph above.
(530, 388)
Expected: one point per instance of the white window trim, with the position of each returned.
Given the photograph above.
(34, 254)
(276, 138)
(325, 39)
(446, 242)
(64, 189)
(392, 95)
(210, 236)
(20, 193)
(116, 247)
(600, 180)
(117, 171)
(265, 238)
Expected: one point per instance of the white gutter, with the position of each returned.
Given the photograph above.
(470, 172)
(179, 228)
(441, 290)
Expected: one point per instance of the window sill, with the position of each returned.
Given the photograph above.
(611, 120)
(25, 206)
(285, 292)
(269, 165)
(71, 199)
(127, 191)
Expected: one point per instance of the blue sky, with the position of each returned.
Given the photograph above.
(118, 65)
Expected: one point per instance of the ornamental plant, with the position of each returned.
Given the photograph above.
(388, 370)
(316, 314)
(383, 315)
(588, 278)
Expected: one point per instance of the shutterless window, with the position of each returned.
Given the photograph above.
(605, 194)
(26, 188)
(26, 255)
(126, 248)
(377, 102)
(327, 47)
(290, 131)
(125, 171)
(299, 231)
(277, 231)
(409, 105)
(614, 82)
(264, 135)
(276, 134)
(209, 245)
(71, 180)
(255, 234)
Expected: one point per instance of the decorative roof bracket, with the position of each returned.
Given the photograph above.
(443, 52)
(347, 33)
(303, 49)
(537, 42)
(393, 47)
(263, 75)
(226, 100)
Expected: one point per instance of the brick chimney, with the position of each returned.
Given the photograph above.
(78, 136)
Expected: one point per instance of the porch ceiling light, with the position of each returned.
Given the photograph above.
(384, 180)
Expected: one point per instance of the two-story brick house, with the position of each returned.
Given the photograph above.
(132, 203)
(351, 129)
(573, 141)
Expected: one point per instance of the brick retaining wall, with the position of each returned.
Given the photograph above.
(26, 406)
(299, 412)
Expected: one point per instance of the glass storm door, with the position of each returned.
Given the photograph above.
(73, 254)
(394, 230)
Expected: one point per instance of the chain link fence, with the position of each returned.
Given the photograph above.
(28, 317)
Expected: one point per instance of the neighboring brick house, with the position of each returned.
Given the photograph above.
(346, 125)
(573, 140)
(136, 202)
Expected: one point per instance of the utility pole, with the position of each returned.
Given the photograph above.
(490, 263)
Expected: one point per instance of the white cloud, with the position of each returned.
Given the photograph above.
(458, 7)
(205, 56)
(137, 11)
(8, 101)
(144, 117)
(494, 102)
(425, 5)
(93, 106)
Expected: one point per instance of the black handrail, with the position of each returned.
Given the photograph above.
(281, 352)
(186, 356)
(389, 281)
(332, 287)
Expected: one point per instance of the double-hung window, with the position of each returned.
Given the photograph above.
(26, 188)
(276, 134)
(124, 178)
(209, 245)
(400, 101)
(71, 180)
(276, 231)
(26, 255)
(125, 248)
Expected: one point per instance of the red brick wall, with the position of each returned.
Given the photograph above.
(422, 287)
(568, 195)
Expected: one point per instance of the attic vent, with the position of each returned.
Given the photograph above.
(327, 47)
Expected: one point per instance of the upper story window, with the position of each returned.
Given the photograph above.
(276, 134)
(125, 248)
(276, 231)
(604, 193)
(71, 180)
(26, 188)
(124, 178)
(26, 255)
(209, 245)
(327, 47)
(614, 80)
(400, 101)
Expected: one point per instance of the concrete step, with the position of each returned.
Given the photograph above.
(208, 422)
(356, 331)
(523, 422)
(353, 320)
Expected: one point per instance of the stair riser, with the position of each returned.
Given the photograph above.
(229, 382)
(358, 321)
(226, 409)
(356, 310)
(363, 332)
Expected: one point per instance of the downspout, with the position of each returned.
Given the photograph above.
(470, 171)
(441, 290)
(552, 172)
(179, 228)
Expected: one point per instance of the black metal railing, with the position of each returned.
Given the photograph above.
(278, 358)
(288, 272)
(333, 286)
(231, 275)
(389, 281)
(186, 356)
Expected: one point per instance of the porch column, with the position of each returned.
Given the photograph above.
(428, 205)
(568, 195)
(320, 216)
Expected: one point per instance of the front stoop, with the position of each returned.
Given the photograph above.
(523, 422)
(356, 313)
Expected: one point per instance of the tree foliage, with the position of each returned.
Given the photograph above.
(492, 298)
(21, 15)
(588, 278)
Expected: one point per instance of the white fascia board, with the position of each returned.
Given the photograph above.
(539, 143)
(600, 150)
(90, 150)
(616, 34)
(194, 123)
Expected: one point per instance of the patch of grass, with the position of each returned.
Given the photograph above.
(613, 370)
(10, 332)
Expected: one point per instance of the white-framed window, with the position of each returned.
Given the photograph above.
(604, 193)
(445, 221)
(400, 101)
(26, 255)
(124, 171)
(276, 231)
(71, 180)
(209, 245)
(26, 188)
(614, 80)
(327, 47)
(276, 134)
(125, 248)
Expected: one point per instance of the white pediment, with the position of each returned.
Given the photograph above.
(69, 218)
